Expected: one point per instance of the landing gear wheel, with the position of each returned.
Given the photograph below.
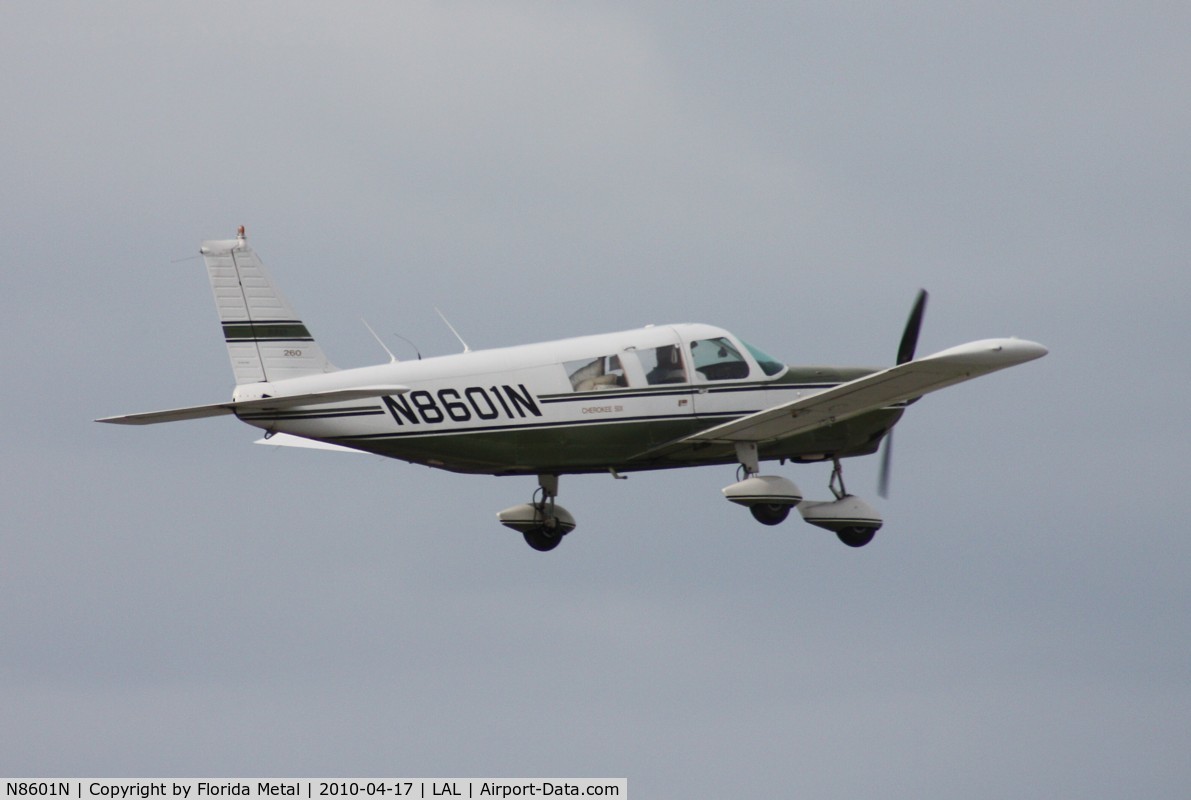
(856, 536)
(542, 539)
(770, 513)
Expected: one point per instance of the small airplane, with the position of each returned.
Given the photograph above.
(658, 397)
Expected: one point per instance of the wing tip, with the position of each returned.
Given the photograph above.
(992, 352)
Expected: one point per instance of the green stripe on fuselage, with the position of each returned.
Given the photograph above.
(262, 331)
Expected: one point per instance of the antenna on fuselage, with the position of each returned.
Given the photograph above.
(411, 344)
(466, 349)
(392, 358)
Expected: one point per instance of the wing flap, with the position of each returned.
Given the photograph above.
(872, 392)
(262, 404)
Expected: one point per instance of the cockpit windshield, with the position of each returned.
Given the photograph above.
(769, 365)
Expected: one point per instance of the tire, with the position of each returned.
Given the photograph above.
(770, 513)
(856, 536)
(541, 539)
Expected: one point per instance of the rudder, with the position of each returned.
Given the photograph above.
(266, 341)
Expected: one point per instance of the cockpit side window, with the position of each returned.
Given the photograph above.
(589, 375)
(663, 364)
(718, 360)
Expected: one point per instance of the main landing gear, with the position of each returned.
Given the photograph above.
(770, 499)
(542, 522)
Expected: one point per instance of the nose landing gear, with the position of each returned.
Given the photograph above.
(853, 521)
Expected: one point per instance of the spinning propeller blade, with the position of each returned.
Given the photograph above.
(886, 463)
(905, 352)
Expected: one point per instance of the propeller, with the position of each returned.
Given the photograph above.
(905, 352)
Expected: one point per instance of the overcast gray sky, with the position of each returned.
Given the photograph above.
(178, 602)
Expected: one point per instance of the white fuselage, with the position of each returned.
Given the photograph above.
(581, 404)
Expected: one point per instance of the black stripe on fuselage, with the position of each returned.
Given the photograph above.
(358, 411)
(623, 393)
(684, 390)
(527, 426)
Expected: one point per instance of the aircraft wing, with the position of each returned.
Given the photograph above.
(872, 392)
(263, 404)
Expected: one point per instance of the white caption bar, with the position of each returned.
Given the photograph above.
(197, 789)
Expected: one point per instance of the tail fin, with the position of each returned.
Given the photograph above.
(265, 339)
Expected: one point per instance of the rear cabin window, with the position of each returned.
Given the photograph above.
(718, 360)
(589, 375)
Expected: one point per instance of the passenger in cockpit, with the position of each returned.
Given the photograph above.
(669, 367)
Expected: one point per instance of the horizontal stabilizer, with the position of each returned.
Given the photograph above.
(263, 404)
(872, 392)
(289, 440)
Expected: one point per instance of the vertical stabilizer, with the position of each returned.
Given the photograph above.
(266, 340)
